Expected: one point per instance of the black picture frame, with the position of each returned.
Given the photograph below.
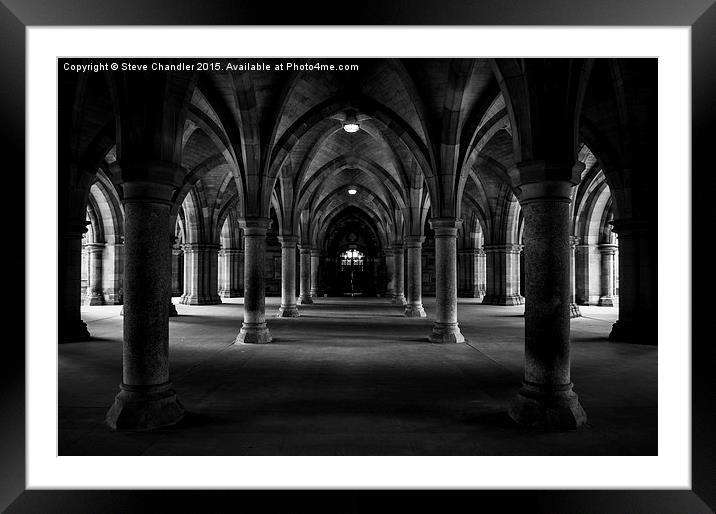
(700, 15)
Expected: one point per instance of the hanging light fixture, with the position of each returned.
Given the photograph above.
(352, 190)
(351, 124)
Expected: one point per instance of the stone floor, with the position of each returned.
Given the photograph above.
(354, 377)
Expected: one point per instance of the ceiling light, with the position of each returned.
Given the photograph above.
(351, 124)
(352, 191)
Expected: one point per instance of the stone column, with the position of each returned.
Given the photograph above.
(637, 278)
(315, 263)
(146, 399)
(481, 267)
(95, 294)
(389, 273)
(546, 398)
(305, 278)
(445, 328)
(288, 307)
(574, 311)
(399, 259)
(470, 272)
(232, 272)
(177, 270)
(587, 274)
(201, 276)
(414, 307)
(254, 329)
(503, 275)
(70, 325)
(607, 252)
(463, 273)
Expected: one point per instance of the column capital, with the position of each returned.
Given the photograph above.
(305, 248)
(505, 248)
(445, 227)
(232, 251)
(255, 226)
(608, 249)
(288, 241)
(414, 241)
(397, 247)
(151, 182)
(315, 252)
(388, 251)
(95, 247)
(574, 241)
(199, 247)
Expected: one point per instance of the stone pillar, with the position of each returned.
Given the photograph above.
(399, 273)
(546, 398)
(305, 279)
(445, 328)
(70, 325)
(389, 274)
(587, 274)
(201, 274)
(112, 272)
(463, 273)
(95, 293)
(146, 399)
(469, 281)
(414, 307)
(637, 279)
(254, 329)
(288, 307)
(177, 270)
(607, 251)
(573, 307)
(315, 263)
(480, 274)
(503, 275)
(232, 273)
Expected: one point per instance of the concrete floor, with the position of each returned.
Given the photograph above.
(355, 377)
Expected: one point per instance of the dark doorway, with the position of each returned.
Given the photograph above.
(352, 266)
(351, 272)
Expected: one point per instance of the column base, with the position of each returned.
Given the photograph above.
(400, 299)
(142, 408)
(606, 301)
(304, 300)
(314, 293)
(254, 333)
(514, 299)
(634, 332)
(95, 299)
(74, 332)
(549, 407)
(415, 311)
(445, 333)
(290, 311)
(574, 311)
(199, 300)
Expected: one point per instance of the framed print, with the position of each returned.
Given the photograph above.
(545, 360)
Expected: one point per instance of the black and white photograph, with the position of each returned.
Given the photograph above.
(446, 256)
(444, 249)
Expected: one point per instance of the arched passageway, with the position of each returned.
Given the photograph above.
(480, 202)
